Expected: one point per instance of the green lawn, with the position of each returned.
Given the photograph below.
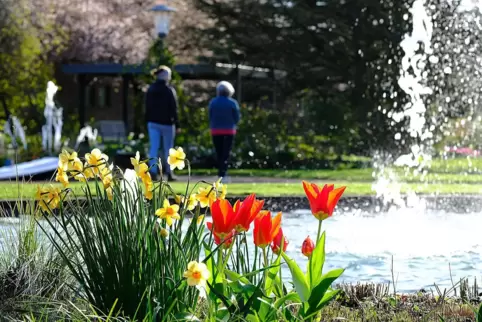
(357, 175)
(460, 170)
(27, 190)
(454, 176)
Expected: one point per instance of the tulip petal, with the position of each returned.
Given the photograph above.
(309, 191)
(262, 229)
(275, 226)
(333, 198)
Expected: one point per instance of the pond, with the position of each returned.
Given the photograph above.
(423, 244)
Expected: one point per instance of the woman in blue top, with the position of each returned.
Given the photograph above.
(224, 116)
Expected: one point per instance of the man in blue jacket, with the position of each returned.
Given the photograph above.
(161, 118)
(224, 116)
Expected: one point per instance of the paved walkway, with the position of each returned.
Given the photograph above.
(241, 179)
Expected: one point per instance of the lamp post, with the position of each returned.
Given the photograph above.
(162, 19)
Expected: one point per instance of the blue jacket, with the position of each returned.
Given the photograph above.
(224, 115)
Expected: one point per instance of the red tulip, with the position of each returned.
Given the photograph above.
(246, 211)
(307, 247)
(223, 218)
(226, 241)
(266, 228)
(322, 201)
(276, 244)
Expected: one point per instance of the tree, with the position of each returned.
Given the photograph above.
(341, 56)
(24, 66)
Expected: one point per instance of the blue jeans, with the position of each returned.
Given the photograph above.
(155, 132)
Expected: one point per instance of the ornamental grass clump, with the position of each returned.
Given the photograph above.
(137, 248)
(126, 245)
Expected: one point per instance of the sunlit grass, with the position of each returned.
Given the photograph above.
(358, 175)
(459, 170)
(27, 190)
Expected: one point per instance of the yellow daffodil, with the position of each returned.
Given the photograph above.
(224, 192)
(64, 157)
(41, 192)
(190, 202)
(197, 274)
(106, 176)
(178, 198)
(41, 197)
(136, 161)
(143, 172)
(62, 176)
(176, 158)
(200, 219)
(148, 186)
(168, 212)
(96, 159)
(110, 193)
(85, 174)
(205, 196)
(107, 180)
(221, 189)
(70, 161)
(48, 197)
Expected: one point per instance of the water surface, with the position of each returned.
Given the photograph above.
(422, 242)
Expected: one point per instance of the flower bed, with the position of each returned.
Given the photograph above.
(153, 259)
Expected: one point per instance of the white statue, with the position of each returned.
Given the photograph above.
(18, 131)
(53, 117)
(58, 123)
(86, 132)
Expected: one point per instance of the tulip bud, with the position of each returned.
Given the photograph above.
(307, 247)
(275, 245)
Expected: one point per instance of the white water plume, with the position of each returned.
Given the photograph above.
(417, 48)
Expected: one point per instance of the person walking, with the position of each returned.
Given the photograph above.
(224, 117)
(162, 119)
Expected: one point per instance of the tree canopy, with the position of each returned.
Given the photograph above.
(342, 57)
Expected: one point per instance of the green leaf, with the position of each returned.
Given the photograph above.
(233, 276)
(330, 295)
(222, 314)
(316, 262)
(273, 283)
(299, 280)
(209, 262)
(185, 317)
(292, 297)
(266, 311)
(479, 314)
(253, 318)
(317, 299)
(236, 276)
(310, 311)
(246, 289)
(392, 301)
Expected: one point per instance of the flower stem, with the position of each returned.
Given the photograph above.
(265, 255)
(230, 250)
(319, 231)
